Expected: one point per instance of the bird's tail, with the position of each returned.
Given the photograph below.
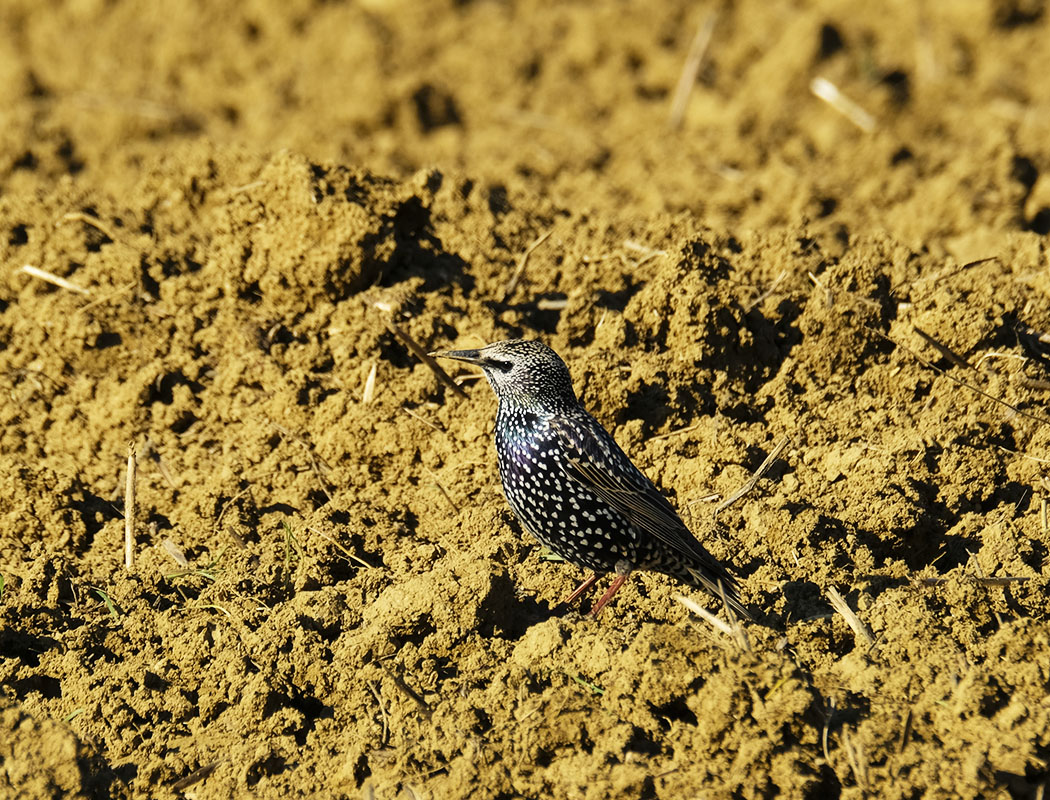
(721, 585)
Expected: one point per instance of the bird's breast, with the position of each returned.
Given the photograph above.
(529, 466)
(523, 444)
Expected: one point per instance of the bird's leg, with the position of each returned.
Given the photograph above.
(578, 592)
(605, 598)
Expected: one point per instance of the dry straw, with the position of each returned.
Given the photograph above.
(860, 630)
(53, 279)
(129, 508)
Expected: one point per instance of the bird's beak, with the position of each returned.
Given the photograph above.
(469, 356)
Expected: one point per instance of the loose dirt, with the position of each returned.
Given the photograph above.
(257, 206)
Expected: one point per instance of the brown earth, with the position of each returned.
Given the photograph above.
(247, 196)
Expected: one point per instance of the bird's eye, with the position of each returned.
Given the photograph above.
(502, 366)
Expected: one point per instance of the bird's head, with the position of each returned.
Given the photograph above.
(526, 374)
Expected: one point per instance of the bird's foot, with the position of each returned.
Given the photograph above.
(579, 590)
(605, 598)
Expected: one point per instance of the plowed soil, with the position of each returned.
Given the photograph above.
(243, 220)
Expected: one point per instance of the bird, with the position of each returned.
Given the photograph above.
(574, 489)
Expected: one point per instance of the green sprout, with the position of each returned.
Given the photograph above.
(593, 687)
(109, 603)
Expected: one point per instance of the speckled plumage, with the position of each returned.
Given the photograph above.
(571, 485)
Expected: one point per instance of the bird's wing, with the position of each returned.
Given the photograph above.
(594, 460)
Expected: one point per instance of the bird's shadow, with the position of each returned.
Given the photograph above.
(505, 614)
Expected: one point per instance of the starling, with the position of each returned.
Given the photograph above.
(571, 485)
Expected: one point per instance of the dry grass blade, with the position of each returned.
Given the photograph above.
(374, 689)
(768, 292)
(127, 287)
(948, 273)
(827, 730)
(349, 556)
(176, 553)
(423, 356)
(150, 451)
(943, 349)
(829, 298)
(1006, 581)
(369, 392)
(1010, 356)
(441, 487)
(247, 187)
(53, 279)
(94, 222)
(523, 262)
(690, 70)
(677, 432)
(982, 577)
(422, 419)
(407, 690)
(552, 303)
(195, 777)
(129, 508)
(855, 754)
(226, 507)
(1022, 455)
(126, 105)
(756, 477)
(319, 462)
(860, 630)
(830, 94)
(642, 249)
(905, 732)
(732, 629)
(707, 498)
(705, 615)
